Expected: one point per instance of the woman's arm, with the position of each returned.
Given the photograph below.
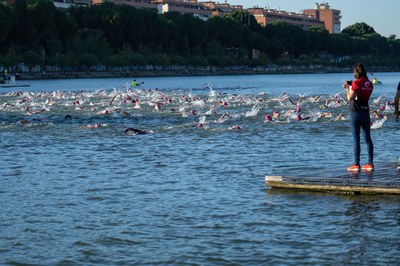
(351, 95)
(396, 102)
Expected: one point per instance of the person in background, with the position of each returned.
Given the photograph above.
(396, 111)
(134, 83)
(396, 102)
(358, 93)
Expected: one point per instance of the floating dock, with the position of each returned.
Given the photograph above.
(13, 85)
(385, 180)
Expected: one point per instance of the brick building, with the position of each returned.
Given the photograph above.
(202, 10)
(266, 16)
(330, 17)
(322, 15)
(220, 9)
(137, 3)
(184, 7)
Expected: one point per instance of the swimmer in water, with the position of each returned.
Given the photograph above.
(134, 131)
(224, 104)
(6, 104)
(268, 118)
(377, 115)
(237, 128)
(112, 100)
(300, 118)
(224, 118)
(341, 117)
(137, 104)
(326, 115)
(94, 126)
(24, 122)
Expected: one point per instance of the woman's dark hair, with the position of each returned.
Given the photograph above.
(360, 71)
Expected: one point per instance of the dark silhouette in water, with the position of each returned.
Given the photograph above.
(135, 131)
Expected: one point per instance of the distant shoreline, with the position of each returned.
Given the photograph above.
(187, 73)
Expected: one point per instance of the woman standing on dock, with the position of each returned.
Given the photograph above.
(396, 102)
(358, 93)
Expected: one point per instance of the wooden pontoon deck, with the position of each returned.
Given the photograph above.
(14, 85)
(384, 180)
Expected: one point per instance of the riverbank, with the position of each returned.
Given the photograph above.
(190, 72)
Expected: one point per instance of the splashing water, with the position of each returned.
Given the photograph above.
(378, 123)
(109, 107)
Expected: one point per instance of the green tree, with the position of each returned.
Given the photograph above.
(138, 60)
(90, 42)
(88, 60)
(359, 29)
(11, 59)
(319, 38)
(31, 59)
(71, 59)
(194, 29)
(245, 18)
(119, 35)
(198, 60)
(178, 60)
(39, 25)
(42, 13)
(66, 26)
(271, 48)
(294, 39)
(340, 44)
(59, 61)
(227, 32)
(6, 20)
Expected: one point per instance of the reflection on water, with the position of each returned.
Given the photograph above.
(77, 189)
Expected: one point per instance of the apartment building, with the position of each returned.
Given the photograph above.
(70, 3)
(202, 10)
(136, 3)
(266, 16)
(330, 17)
(184, 7)
(322, 15)
(220, 9)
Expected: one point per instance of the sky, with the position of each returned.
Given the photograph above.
(383, 15)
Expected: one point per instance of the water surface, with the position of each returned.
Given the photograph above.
(73, 193)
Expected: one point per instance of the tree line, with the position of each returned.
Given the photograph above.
(35, 32)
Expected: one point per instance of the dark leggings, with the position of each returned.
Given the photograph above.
(362, 120)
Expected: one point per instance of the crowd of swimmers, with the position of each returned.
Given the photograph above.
(217, 108)
(223, 106)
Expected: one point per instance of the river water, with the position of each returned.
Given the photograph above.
(75, 189)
